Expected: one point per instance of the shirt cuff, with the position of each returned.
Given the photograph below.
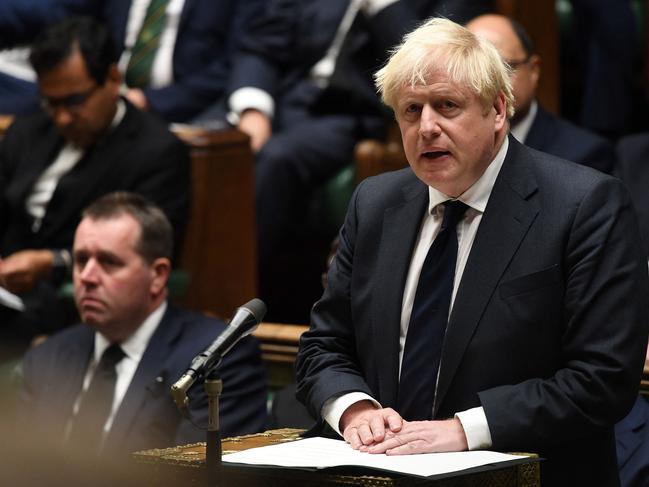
(334, 407)
(373, 7)
(249, 98)
(476, 428)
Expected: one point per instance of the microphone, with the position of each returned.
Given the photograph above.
(244, 322)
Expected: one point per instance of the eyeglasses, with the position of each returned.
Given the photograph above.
(71, 102)
(515, 64)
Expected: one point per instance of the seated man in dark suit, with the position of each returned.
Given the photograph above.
(86, 142)
(302, 89)
(490, 296)
(74, 392)
(531, 124)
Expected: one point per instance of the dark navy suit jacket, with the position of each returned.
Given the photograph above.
(563, 139)
(147, 417)
(549, 326)
(632, 435)
(202, 52)
(633, 169)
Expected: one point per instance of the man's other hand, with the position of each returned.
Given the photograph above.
(258, 126)
(20, 271)
(422, 437)
(137, 97)
(364, 424)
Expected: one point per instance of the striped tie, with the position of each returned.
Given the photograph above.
(138, 71)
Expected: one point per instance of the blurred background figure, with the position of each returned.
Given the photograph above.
(20, 22)
(87, 141)
(533, 125)
(301, 87)
(601, 65)
(175, 55)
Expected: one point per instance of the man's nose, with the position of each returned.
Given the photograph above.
(62, 116)
(429, 122)
(89, 272)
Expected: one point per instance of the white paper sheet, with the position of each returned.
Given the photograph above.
(10, 300)
(325, 452)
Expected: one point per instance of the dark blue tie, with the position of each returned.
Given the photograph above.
(428, 320)
(96, 402)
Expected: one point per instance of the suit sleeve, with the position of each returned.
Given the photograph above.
(326, 364)
(267, 48)
(601, 156)
(604, 335)
(202, 57)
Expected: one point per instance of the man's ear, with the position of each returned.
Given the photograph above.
(535, 69)
(114, 75)
(160, 270)
(500, 107)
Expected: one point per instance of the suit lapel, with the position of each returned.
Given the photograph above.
(45, 151)
(507, 218)
(150, 371)
(400, 229)
(65, 392)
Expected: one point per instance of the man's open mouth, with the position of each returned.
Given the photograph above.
(435, 154)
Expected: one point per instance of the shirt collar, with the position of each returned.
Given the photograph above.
(135, 345)
(119, 113)
(523, 127)
(477, 195)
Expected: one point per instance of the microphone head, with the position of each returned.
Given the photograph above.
(257, 308)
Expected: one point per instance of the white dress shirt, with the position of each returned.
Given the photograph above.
(133, 348)
(15, 62)
(476, 197)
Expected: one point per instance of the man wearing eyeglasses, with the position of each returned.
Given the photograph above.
(532, 125)
(86, 142)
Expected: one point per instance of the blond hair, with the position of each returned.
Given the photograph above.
(442, 45)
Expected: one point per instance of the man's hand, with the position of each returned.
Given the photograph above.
(422, 437)
(258, 126)
(21, 271)
(136, 97)
(363, 424)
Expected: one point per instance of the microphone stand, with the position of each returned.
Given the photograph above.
(213, 387)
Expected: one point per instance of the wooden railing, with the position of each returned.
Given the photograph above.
(220, 251)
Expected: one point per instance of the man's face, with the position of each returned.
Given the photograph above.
(449, 136)
(81, 109)
(526, 69)
(115, 288)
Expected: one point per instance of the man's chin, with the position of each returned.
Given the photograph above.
(94, 319)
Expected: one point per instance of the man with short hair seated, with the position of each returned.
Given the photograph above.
(103, 387)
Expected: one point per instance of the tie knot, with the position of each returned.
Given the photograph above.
(111, 357)
(453, 211)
